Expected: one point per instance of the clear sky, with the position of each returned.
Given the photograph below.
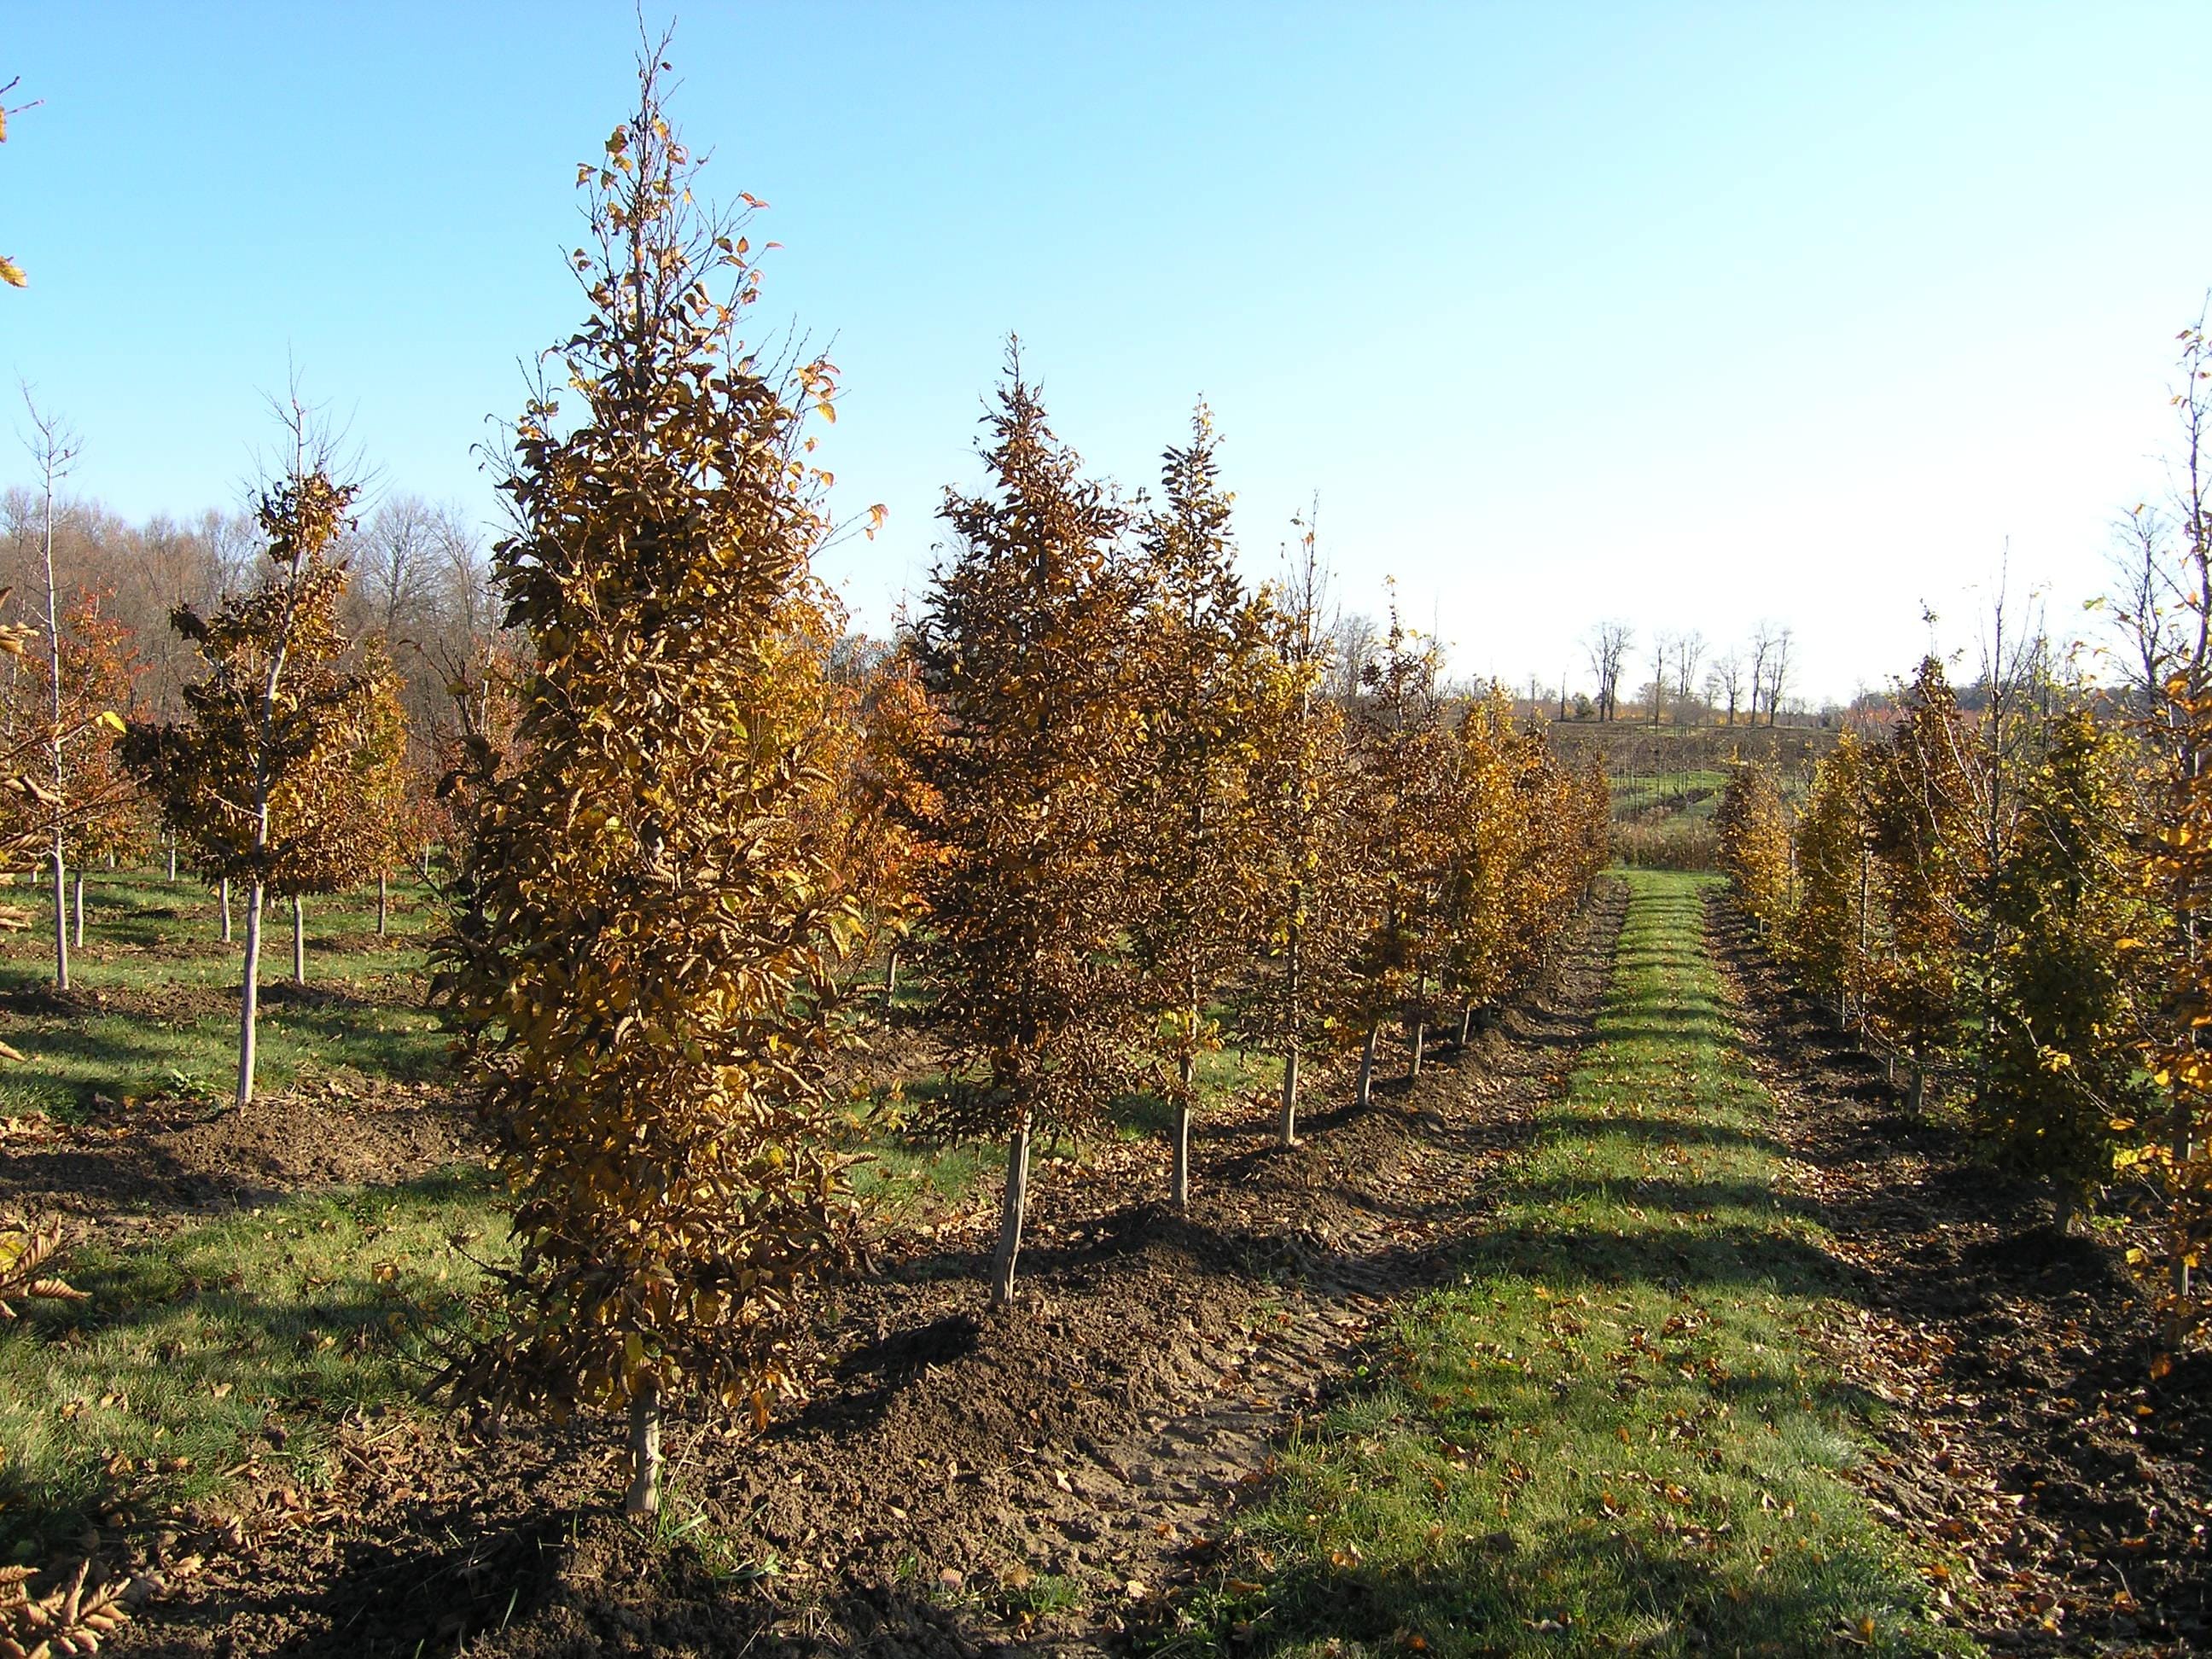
(1688, 315)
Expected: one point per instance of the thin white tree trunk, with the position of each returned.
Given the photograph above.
(61, 916)
(1366, 1093)
(1179, 1181)
(1010, 1214)
(383, 905)
(77, 905)
(226, 909)
(299, 941)
(643, 1497)
(249, 993)
(173, 857)
(1286, 1125)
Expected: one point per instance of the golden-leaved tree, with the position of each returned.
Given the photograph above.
(1920, 797)
(1205, 670)
(1830, 932)
(1309, 891)
(653, 907)
(1022, 645)
(1753, 828)
(2068, 996)
(256, 785)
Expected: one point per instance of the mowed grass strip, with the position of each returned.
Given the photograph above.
(1614, 1434)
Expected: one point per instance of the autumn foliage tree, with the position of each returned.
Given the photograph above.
(1310, 894)
(1918, 799)
(652, 914)
(1022, 644)
(1204, 671)
(254, 784)
(1830, 930)
(1753, 828)
(2073, 917)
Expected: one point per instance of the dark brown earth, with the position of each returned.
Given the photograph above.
(961, 1481)
(2032, 1434)
(150, 1165)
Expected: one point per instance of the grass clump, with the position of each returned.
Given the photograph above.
(1614, 1434)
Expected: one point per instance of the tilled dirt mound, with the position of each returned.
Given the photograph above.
(155, 1163)
(962, 1480)
(2032, 1441)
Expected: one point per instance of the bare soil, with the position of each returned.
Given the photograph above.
(2032, 1438)
(150, 1166)
(961, 1481)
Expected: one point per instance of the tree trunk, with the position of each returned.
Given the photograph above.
(60, 917)
(1466, 1024)
(1286, 1125)
(643, 1497)
(426, 866)
(890, 978)
(1416, 1030)
(226, 909)
(172, 858)
(249, 993)
(1179, 1181)
(1366, 1094)
(1015, 1206)
(1915, 1093)
(76, 904)
(383, 905)
(299, 941)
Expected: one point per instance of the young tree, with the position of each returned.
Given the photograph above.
(1021, 645)
(1753, 831)
(108, 820)
(1828, 934)
(1306, 791)
(651, 916)
(244, 783)
(2061, 1071)
(1204, 667)
(1919, 792)
(360, 781)
(54, 450)
(1403, 827)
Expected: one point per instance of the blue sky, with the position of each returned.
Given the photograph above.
(1689, 315)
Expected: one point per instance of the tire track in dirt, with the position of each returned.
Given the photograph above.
(2065, 1486)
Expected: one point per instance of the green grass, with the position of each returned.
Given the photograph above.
(1614, 1434)
(152, 949)
(152, 1392)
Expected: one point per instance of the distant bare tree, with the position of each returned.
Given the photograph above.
(1724, 683)
(1607, 648)
(1778, 669)
(1762, 647)
(1662, 652)
(1689, 652)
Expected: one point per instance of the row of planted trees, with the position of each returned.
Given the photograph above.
(1094, 791)
(2009, 898)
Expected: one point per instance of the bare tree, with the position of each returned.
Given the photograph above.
(1762, 647)
(1689, 652)
(1724, 683)
(1662, 652)
(54, 448)
(1606, 646)
(1778, 669)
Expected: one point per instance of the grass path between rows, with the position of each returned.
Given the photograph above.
(1614, 1434)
